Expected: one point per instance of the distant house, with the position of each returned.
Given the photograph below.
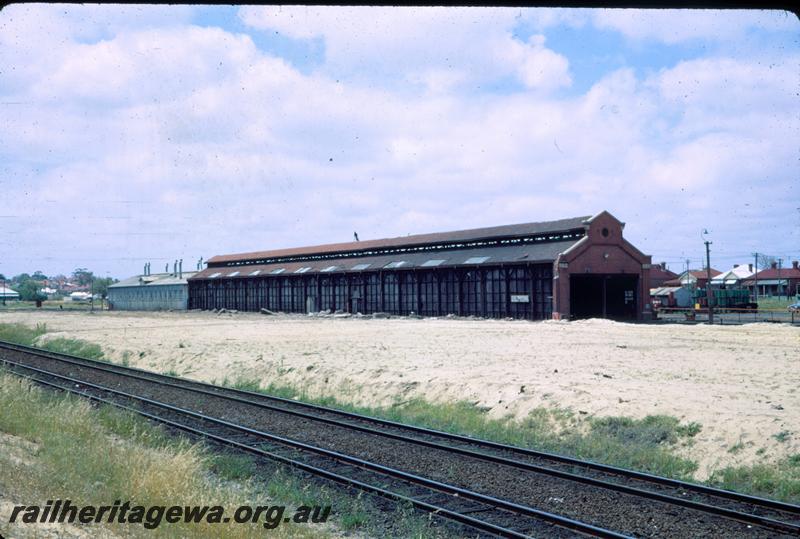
(6, 294)
(153, 292)
(733, 277)
(49, 292)
(775, 281)
(693, 278)
(659, 274)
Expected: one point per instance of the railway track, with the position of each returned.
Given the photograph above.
(690, 509)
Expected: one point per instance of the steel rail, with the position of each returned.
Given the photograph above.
(512, 507)
(748, 518)
(220, 391)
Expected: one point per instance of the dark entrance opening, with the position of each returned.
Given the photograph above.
(603, 296)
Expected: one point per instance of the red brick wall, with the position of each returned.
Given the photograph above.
(604, 254)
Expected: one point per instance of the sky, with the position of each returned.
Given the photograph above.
(131, 134)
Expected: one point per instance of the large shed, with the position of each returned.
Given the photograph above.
(152, 292)
(577, 267)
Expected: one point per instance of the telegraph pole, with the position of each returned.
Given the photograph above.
(780, 286)
(709, 295)
(755, 276)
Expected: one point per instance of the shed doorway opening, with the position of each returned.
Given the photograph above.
(603, 296)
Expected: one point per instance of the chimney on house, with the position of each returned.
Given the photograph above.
(794, 264)
(750, 268)
(180, 268)
(735, 266)
(774, 265)
(664, 266)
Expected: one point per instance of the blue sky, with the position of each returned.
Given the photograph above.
(148, 133)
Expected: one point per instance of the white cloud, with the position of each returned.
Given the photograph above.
(439, 46)
(678, 25)
(537, 66)
(198, 137)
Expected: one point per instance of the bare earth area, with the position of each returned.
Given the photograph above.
(739, 382)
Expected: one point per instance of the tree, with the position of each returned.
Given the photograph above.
(83, 276)
(101, 285)
(38, 276)
(29, 291)
(20, 279)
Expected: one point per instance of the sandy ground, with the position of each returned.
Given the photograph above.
(739, 382)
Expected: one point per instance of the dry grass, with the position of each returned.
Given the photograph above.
(95, 456)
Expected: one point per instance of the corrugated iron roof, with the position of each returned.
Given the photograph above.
(154, 279)
(531, 253)
(523, 229)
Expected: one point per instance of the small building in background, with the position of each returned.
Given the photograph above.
(152, 292)
(733, 277)
(775, 281)
(6, 294)
(659, 274)
(671, 296)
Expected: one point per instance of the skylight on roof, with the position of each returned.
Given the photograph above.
(277, 271)
(331, 268)
(396, 264)
(477, 260)
(359, 267)
(234, 274)
(303, 270)
(432, 263)
(214, 275)
(253, 274)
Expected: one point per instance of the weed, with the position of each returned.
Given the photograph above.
(735, 448)
(782, 436)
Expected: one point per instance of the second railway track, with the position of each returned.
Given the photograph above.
(604, 497)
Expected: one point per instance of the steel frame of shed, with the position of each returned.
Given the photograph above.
(485, 291)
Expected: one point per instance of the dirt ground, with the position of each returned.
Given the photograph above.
(739, 382)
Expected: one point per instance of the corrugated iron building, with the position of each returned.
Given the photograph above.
(519, 271)
(153, 292)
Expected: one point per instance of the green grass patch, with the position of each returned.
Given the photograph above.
(22, 334)
(643, 444)
(28, 336)
(780, 481)
(74, 347)
(775, 303)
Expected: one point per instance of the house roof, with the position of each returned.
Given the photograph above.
(543, 252)
(154, 279)
(657, 272)
(665, 290)
(473, 234)
(774, 273)
(8, 292)
(733, 275)
(702, 274)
